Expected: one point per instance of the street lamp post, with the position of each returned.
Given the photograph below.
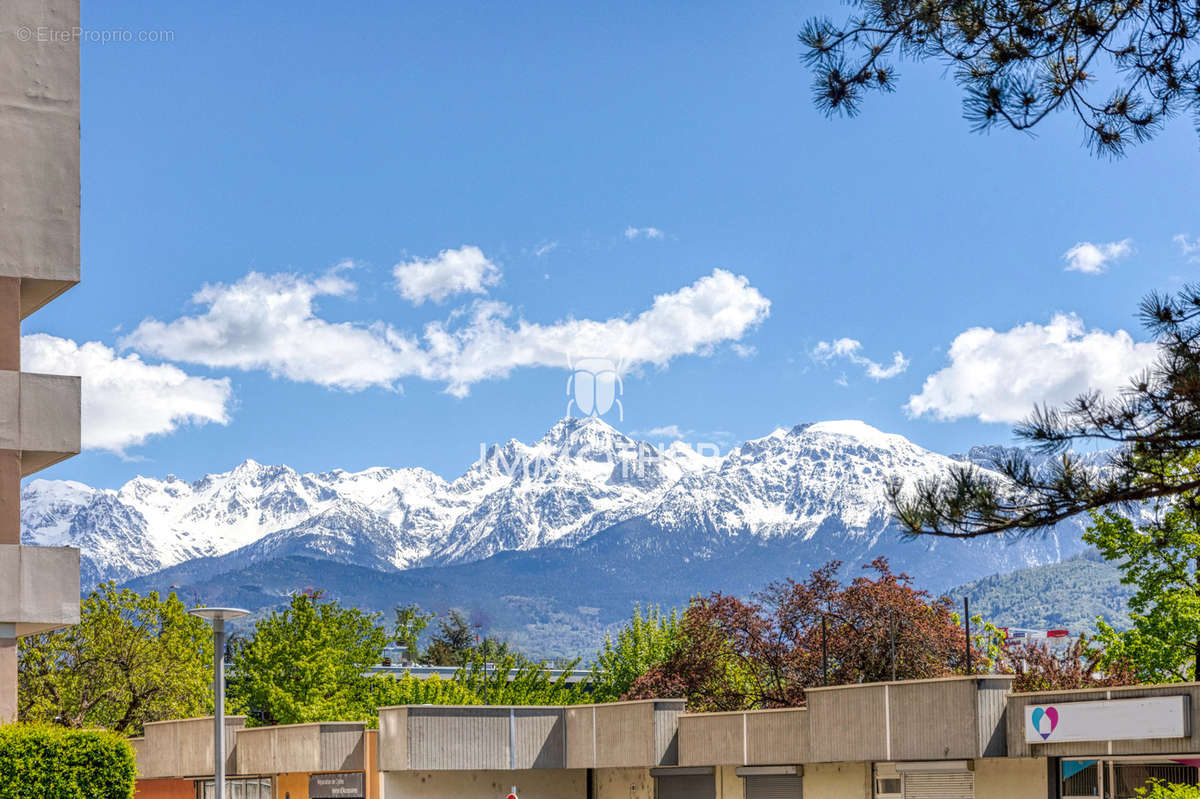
(218, 617)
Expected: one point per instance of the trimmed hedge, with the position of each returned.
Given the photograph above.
(45, 762)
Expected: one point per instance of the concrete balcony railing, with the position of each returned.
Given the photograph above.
(638, 734)
(298, 748)
(184, 748)
(39, 142)
(41, 418)
(39, 588)
(472, 737)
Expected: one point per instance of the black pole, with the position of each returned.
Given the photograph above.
(825, 649)
(892, 636)
(967, 623)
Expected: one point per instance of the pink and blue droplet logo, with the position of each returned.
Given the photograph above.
(1050, 714)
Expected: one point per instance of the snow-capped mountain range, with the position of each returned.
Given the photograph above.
(818, 486)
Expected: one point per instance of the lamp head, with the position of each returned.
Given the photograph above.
(219, 614)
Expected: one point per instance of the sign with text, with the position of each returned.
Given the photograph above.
(336, 786)
(1108, 720)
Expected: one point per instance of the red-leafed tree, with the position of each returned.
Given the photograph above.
(765, 652)
(1036, 667)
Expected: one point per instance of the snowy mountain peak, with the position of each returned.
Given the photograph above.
(582, 478)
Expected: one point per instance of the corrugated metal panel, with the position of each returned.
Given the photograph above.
(693, 787)
(933, 720)
(458, 738)
(774, 787)
(847, 724)
(625, 735)
(992, 700)
(940, 785)
(777, 736)
(666, 731)
(540, 738)
(342, 748)
(712, 739)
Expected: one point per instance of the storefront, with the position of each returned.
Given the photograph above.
(1120, 778)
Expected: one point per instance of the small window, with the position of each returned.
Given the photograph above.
(887, 786)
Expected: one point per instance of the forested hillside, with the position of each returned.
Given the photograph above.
(1069, 594)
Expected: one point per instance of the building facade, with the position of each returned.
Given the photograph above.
(39, 260)
(954, 738)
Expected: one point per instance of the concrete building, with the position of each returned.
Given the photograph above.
(955, 738)
(39, 259)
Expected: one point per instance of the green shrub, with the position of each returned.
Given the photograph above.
(1162, 790)
(45, 762)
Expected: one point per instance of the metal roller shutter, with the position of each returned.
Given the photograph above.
(940, 785)
(774, 786)
(689, 787)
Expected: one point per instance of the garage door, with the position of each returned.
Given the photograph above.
(939, 785)
(701, 786)
(774, 786)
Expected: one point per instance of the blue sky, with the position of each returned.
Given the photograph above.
(319, 148)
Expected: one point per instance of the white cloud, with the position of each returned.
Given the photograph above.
(1188, 246)
(545, 248)
(744, 350)
(851, 350)
(632, 233)
(126, 400)
(463, 271)
(999, 377)
(1092, 259)
(666, 431)
(271, 322)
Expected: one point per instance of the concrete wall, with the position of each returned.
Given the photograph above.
(39, 588)
(533, 784)
(622, 783)
(729, 784)
(1011, 778)
(837, 781)
(39, 150)
(1017, 747)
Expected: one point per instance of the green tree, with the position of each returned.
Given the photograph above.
(1121, 68)
(512, 679)
(411, 621)
(454, 642)
(384, 690)
(647, 639)
(130, 660)
(307, 663)
(1159, 554)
